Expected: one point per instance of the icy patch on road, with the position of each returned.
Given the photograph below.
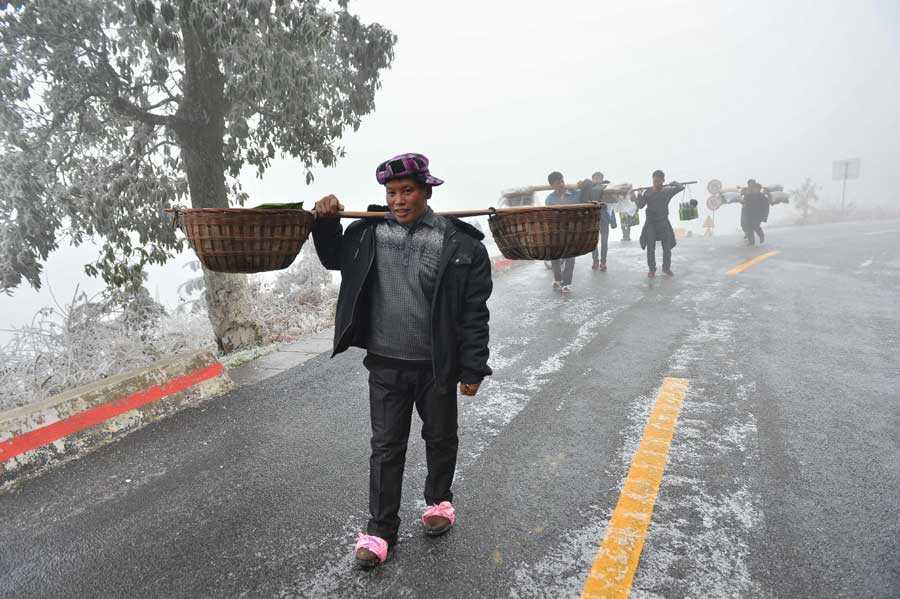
(338, 547)
(504, 355)
(563, 570)
(502, 400)
(698, 541)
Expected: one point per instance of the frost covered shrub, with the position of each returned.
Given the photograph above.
(92, 338)
(298, 302)
(88, 339)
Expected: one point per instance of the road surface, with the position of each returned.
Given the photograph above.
(782, 477)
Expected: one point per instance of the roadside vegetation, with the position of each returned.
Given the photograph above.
(82, 339)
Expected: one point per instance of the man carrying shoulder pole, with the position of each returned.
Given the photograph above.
(414, 291)
(754, 211)
(560, 196)
(607, 220)
(657, 226)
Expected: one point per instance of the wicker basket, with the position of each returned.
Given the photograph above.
(245, 239)
(547, 233)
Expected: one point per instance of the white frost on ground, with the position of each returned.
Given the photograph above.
(500, 402)
(697, 543)
(563, 570)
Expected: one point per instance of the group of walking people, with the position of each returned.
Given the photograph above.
(657, 227)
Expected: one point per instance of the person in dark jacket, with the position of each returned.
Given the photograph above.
(754, 212)
(414, 291)
(657, 226)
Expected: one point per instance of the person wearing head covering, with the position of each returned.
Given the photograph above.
(560, 196)
(657, 226)
(414, 291)
(754, 212)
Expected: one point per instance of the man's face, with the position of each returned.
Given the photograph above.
(658, 181)
(559, 186)
(597, 179)
(407, 199)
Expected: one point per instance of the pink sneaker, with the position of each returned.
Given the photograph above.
(603, 266)
(370, 551)
(438, 519)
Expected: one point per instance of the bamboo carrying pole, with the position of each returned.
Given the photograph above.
(742, 189)
(245, 240)
(457, 213)
(666, 185)
(569, 186)
(482, 212)
(573, 187)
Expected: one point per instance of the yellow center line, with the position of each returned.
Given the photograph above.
(613, 570)
(750, 263)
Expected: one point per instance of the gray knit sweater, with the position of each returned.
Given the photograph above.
(404, 280)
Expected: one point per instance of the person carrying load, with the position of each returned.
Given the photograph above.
(657, 226)
(414, 291)
(560, 196)
(754, 212)
(607, 220)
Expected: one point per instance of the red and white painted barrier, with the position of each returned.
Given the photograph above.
(39, 435)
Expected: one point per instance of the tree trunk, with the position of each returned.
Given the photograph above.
(200, 134)
(230, 306)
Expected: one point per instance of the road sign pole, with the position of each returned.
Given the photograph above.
(844, 185)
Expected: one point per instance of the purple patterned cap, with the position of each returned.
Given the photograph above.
(406, 165)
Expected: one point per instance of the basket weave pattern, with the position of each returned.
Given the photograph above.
(551, 233)
(245, 240)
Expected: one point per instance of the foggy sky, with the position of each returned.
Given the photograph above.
(498, 94)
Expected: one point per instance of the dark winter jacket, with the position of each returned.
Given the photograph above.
(755, 210)
(657, 226)
(459, 313)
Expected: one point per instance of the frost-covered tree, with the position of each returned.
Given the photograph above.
(804, 196)
(112, 110)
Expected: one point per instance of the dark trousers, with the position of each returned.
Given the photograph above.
(604, 242)
(563, 269)
(626, 232)
(393, 391)
(755, 229)
(651, 257)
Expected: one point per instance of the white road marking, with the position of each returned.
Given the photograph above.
(885, 232)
